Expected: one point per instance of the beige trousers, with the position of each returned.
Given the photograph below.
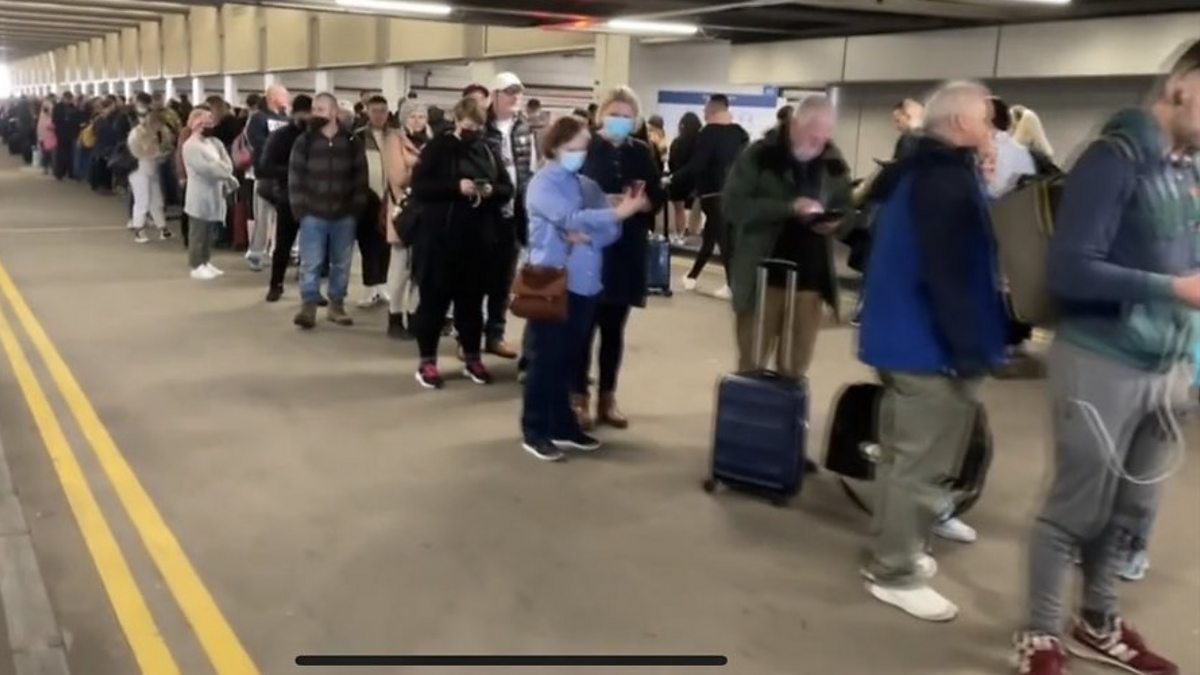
(809, 314)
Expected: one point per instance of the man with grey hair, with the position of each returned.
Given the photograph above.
(262, 124)
(933, 326)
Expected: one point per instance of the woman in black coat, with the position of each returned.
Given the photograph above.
(460, 186)
(616, 161)
(682, 191)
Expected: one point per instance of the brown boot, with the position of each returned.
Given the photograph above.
(608, 413)
(337, 314)
(581, 405)
(306, 318)
(500, 348)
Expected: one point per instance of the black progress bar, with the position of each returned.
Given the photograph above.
(342, 660)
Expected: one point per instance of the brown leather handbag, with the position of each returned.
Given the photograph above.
(540, 293)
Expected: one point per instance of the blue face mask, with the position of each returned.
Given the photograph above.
(572, 160)
(618, 128)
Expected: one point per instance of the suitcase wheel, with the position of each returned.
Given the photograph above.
(710, 485)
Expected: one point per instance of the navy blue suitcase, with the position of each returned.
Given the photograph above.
(761, 425)
(658, 266)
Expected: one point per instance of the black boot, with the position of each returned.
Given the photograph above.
(395, 327)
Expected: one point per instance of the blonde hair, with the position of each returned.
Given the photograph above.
(1031, 134)
(622, 94)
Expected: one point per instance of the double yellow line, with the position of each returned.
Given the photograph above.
(150, 649)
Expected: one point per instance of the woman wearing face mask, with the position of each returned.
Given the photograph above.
(150, 143)
(617, 163)
(460, 185)
(401, 151)
(570, 223)
(209, 180)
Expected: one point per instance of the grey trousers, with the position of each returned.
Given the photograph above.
(201, 234)
(263, 228)
(925, 424)
(1091, 507)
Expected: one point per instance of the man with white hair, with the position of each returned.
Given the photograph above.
(273, 116)
(933, 325)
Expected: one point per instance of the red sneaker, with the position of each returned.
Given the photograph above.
(1121, 647)
(1040, 654)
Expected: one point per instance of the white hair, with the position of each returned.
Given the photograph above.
(1031, 134)
(952, 99)
(809, 105)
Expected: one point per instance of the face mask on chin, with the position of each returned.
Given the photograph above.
(805, 154)
(469, 135)
(316, 122)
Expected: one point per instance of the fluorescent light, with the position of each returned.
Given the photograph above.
(652, 27)
(401, 6)
(1046, 2)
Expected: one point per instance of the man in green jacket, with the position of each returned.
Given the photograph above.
(774, 201)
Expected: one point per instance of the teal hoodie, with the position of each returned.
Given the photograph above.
(1128, 222)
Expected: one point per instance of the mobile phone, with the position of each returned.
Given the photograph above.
(637, 187)
(824, 217)
(481, 184)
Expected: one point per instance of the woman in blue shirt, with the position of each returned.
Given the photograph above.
(570, 222)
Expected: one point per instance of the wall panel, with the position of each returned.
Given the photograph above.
(923, 55)
(204, 41)
(112, 56)
(795, 62)
(150, 50)
(1126, 46)
(131, 63)
(85, 63)
(72, 63)
(346, 40)
(504, 41)
(288, 44)
(174, 45)
(412, 41)
(241, 49)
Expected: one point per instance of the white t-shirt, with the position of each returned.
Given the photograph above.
(506, 156)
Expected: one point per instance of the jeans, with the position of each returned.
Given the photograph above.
(552, 351)
(609, 321)
(321, 237)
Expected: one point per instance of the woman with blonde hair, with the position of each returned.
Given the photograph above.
(150, 142)
(210, 181)
(1029, 132)
(400, 154)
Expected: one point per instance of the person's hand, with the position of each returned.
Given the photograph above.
(804, 206)
(631, 203)
(576, 238)
(1187, 289)
(826, 226)
(487, 190)
(466, 187)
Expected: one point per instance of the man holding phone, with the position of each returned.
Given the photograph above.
(784, 198)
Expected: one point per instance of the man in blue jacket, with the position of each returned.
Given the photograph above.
(1125, 266)
(933, 325)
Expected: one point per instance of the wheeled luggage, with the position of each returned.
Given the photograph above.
(762, 415)
(658, 266)
(853, 448)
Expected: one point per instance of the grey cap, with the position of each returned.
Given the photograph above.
(410, 107)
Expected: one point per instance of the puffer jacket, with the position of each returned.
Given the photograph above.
(150, 145)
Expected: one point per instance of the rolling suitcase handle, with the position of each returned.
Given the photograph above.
(789, 311)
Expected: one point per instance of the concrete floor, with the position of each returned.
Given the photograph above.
(330, 505)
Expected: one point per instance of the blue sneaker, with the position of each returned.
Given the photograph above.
(1134, 567)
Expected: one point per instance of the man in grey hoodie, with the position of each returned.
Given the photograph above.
(1125, 266)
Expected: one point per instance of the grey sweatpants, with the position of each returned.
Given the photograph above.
(1091, 507)
(200, 240)
(263, 229)
(925, 424)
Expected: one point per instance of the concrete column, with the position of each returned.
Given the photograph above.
(394, 85)
(169, 90)
(481, 72)
(230, 90)
(323, 82)
(148, 86)
(197, 90)
(128, 88)
(269, 79)
(614, 60)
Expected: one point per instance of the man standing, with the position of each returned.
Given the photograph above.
(1125, 266)
(261, 125)
(718, 146)
(327, 190)
(372, 242)
(68, 119)
(933, 325)
(907, 116)
(272, 185)
(513, 142)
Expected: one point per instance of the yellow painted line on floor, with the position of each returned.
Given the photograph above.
(216, 636)
(149, 649)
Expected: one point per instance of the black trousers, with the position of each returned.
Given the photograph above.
(64, 159)
(100, 176)
(609, 323)
(376, 252)
(286, 231)
(436, 297)
(714, 235)
(499, 289)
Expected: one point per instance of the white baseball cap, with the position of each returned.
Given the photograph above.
(505, 81)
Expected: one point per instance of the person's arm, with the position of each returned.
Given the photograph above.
(1089, 217)
(257, 135)
(200, 163)
(297, 172)
(945, 216)
(360, 202)
(428, 183)
(268, 166)
(741, 202)
(396, 165)
(544, 199)
(502, 187)
(603, 230)
(701, 156)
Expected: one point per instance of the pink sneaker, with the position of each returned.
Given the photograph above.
(1039, 654)
(1120, 647)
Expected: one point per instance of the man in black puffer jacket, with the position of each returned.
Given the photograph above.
(271, 172)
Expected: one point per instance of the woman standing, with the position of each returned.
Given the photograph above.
(570, 223)
(460, 185)
(150, 143)
(47, 140)
(209, 182)
(618, 163)
(400, 156)
(682, 191)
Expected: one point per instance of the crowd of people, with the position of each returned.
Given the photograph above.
(449, 209)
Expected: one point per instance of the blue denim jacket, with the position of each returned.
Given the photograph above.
(559, 202)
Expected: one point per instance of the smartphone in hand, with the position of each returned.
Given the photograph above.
(637, 187)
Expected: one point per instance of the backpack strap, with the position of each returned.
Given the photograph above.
(1124, 145)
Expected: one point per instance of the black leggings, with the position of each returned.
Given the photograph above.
(610, 324)
(376, 252)
(467, 297)
(286, 231)
(714, 235)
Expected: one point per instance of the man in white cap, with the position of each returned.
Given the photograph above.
(512, 139)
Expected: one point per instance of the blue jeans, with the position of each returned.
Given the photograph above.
(553, 352)
(321, 237)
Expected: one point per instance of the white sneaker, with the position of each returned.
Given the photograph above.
(202, 273)
(724, 293)
(371, 299)
(384, 296)
(925, 567)
(689, 284)
(129, 225)
(140, 237)
(955, 529)
(920, 601)
(212, 269)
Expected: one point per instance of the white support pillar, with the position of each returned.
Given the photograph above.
(148, 86)
(614, 60)
(128, 89)
(481, 72)
(269, 79)
(323, 81)
(197, 90)
(394, 84)
(230, 90)
(169, 89)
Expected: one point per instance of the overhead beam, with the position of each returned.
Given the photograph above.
(38, 23)
(123, 5)
(6, 13)
(932, 8)
(44, 6)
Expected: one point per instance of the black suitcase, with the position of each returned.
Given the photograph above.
(853, 448)
(762, 416)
